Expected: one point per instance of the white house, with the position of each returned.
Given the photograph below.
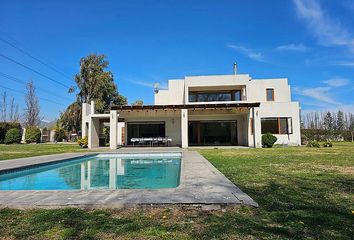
(203, 110)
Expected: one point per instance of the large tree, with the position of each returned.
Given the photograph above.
(95, 82)
(70, 120)
(32, 106)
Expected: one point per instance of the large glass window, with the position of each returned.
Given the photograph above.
(215, 96)
(237, 95)
(212, 133)
(145, 130)
(281, 125)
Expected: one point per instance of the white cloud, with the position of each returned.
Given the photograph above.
(148, 84)
(344, 64)
(321, 94)
(327, 30)
(337, 82)
(257, 56)
(293, 47)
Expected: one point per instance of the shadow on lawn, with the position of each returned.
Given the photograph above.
(301, 208)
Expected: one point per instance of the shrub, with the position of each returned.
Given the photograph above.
(327, 144)
(33, 135)
(83, 142)
(313, 144)
(304, 139)
(13, 136)
(268, 140)
(5, 126)
(59, 135)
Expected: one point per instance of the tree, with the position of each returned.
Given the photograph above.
(340, 121)
(3, 107)
(8, 113)
(328, 121)
(138, 102)
(32, 109)
(13, 113)
(70, 120)
(94, 82)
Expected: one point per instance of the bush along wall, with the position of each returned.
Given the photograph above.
(32, 135)
(268, 140)
(13, 136)
(6, 126)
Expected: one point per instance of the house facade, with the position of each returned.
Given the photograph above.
(217, 110)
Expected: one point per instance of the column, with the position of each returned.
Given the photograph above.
(113, 124)
(93, 131)
(184, 128)
(257, 135)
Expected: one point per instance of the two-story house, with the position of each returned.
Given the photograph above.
(218, 110)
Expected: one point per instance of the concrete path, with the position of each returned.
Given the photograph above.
(201, 184)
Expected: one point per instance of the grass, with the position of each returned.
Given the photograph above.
(303, 193)
(31, 150)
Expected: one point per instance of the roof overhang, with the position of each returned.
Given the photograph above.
(187, 106)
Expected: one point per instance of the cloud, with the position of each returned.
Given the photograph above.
(337, 82)
(344, 64)
(328, 31)
(257, 56)
(148, 84)
(292, 47)
(321, 94)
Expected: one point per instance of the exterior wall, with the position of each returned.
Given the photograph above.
(173, 95)
(253, 90)
(290, 109)
(256, 90)
(176, 121)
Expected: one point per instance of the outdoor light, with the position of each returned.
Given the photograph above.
(156, 87)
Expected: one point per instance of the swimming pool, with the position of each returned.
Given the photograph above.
(101, 171)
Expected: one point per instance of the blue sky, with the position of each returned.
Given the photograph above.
(311, 42)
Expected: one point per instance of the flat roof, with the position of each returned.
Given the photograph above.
(186, 106)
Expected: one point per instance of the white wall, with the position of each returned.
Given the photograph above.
(173, 95)
(290, 109)
(256, 90)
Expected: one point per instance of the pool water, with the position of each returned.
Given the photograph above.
(103, 171)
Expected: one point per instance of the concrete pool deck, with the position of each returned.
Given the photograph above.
(200, 184)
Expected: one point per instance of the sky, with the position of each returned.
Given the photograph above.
(310, 42)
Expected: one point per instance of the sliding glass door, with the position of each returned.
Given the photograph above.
(212, 133)
(145, 130)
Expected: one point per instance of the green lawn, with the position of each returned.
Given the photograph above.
(30, 150)
(303, 193)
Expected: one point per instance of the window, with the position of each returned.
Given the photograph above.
(215, 96)
(281, 125)
(237, 95)
(145, 130)
(270, 94)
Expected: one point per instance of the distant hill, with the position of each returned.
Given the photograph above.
(47, 124)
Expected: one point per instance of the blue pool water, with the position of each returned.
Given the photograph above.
(103, 171)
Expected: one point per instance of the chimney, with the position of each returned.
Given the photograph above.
(235, 68)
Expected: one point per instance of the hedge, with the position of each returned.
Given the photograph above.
(324, 135)
(6, 126)
(32, 135)
(13, 136)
